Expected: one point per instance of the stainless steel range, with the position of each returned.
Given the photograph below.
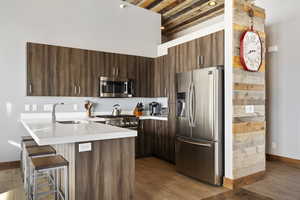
(123, 121)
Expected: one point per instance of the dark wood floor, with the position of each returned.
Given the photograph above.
(158, 180)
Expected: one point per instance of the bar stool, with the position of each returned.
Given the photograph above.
(25, 145)
(46, 165)
(23, 139)
(32, 152)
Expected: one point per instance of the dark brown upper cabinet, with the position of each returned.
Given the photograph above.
(61, 71)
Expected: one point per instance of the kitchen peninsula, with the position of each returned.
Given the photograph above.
(101, 157)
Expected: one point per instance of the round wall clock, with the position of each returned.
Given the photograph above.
(251, 51)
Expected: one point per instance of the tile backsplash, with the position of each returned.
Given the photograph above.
(76, 104)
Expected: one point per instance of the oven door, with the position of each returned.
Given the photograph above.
(115, 87)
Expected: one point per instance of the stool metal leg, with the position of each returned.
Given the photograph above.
(34, 192)
(66, 180)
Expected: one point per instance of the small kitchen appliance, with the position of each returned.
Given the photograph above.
(155, 108)
(116, 87)
(117, 110)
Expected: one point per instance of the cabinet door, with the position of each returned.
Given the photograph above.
(218, 48)
(121, 66)
(145, 75)
(144, 139)
(40, 70)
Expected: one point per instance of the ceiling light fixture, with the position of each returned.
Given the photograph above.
(162, 28)
(123, 5)
(212, 3)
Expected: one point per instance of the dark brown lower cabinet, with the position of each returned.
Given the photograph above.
(144, 140)
(164, 140)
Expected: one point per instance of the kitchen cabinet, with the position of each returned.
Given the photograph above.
(61, 71)
(144, 77)
(40, 74)
(144, 140)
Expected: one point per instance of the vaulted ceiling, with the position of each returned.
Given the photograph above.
(178, 15)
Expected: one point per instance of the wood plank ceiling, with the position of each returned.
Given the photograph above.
(178, 15)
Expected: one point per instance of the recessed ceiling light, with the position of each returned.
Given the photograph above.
(162, 28)
(212, 3)
(123, 6)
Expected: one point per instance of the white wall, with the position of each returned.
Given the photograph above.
(88, 24)
(283, 89)
(283, 20)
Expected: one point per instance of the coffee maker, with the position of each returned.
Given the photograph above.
(155, 108)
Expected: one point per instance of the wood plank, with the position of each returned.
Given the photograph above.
(271, 157)
(145, 3)
(196, 9)
(242, 6)
(242, 76)
(242, 28)
(179, 8)
(9, 165)
(171, 6)
(240, 182)
(162, 5)
(243, 86)
(240, 111)
(237, 64)
(247, 127)
(194, 21)
(68, 152)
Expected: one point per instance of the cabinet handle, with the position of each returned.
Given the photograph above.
(200, 60)
(114, 71)
(30, 88)
(75, 89)
(79, 90)
(117, 71)
(166, 92)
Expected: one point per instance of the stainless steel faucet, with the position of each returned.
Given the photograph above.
(54, 110)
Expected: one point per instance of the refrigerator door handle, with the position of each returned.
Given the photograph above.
(189, 105)
(194, 143)
(193, 105)
(212, 101)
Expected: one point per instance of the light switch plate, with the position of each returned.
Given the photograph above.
(34, 107)
(84, 147)
(27, 108)
(48, 107)
(249, 109)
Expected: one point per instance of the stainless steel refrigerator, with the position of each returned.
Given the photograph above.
(199, 127)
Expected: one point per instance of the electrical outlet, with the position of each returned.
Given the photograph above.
(274, 145)
(249, 109)
(75, 107)
(84, 147)
(34, 107)
(27, 108)
(48, 107)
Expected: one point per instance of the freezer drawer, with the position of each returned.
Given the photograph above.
(199, 160)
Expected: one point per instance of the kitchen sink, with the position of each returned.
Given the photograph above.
(73, 122)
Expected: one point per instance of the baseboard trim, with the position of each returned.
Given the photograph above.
(9, 165)
(271, 157)
(240, 182)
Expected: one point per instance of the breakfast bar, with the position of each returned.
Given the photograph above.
(101, 157)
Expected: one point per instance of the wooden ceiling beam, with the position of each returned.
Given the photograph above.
(145, 3)
(171, 6)
(195, 10)
(194, 21)
(162, 5)
(134, 2)
(179, 7)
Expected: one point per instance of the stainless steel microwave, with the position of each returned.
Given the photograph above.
(116, 87)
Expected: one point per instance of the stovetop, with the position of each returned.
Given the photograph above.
(124, 121)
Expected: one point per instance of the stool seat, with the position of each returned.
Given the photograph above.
(26, 138)
(30, 143)
(40, 150)
(49, 162)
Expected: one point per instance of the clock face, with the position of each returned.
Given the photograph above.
(251, 51)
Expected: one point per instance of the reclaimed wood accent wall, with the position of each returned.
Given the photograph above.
(249, 128)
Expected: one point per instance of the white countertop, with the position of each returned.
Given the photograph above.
(45, 132)
(163, 118)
